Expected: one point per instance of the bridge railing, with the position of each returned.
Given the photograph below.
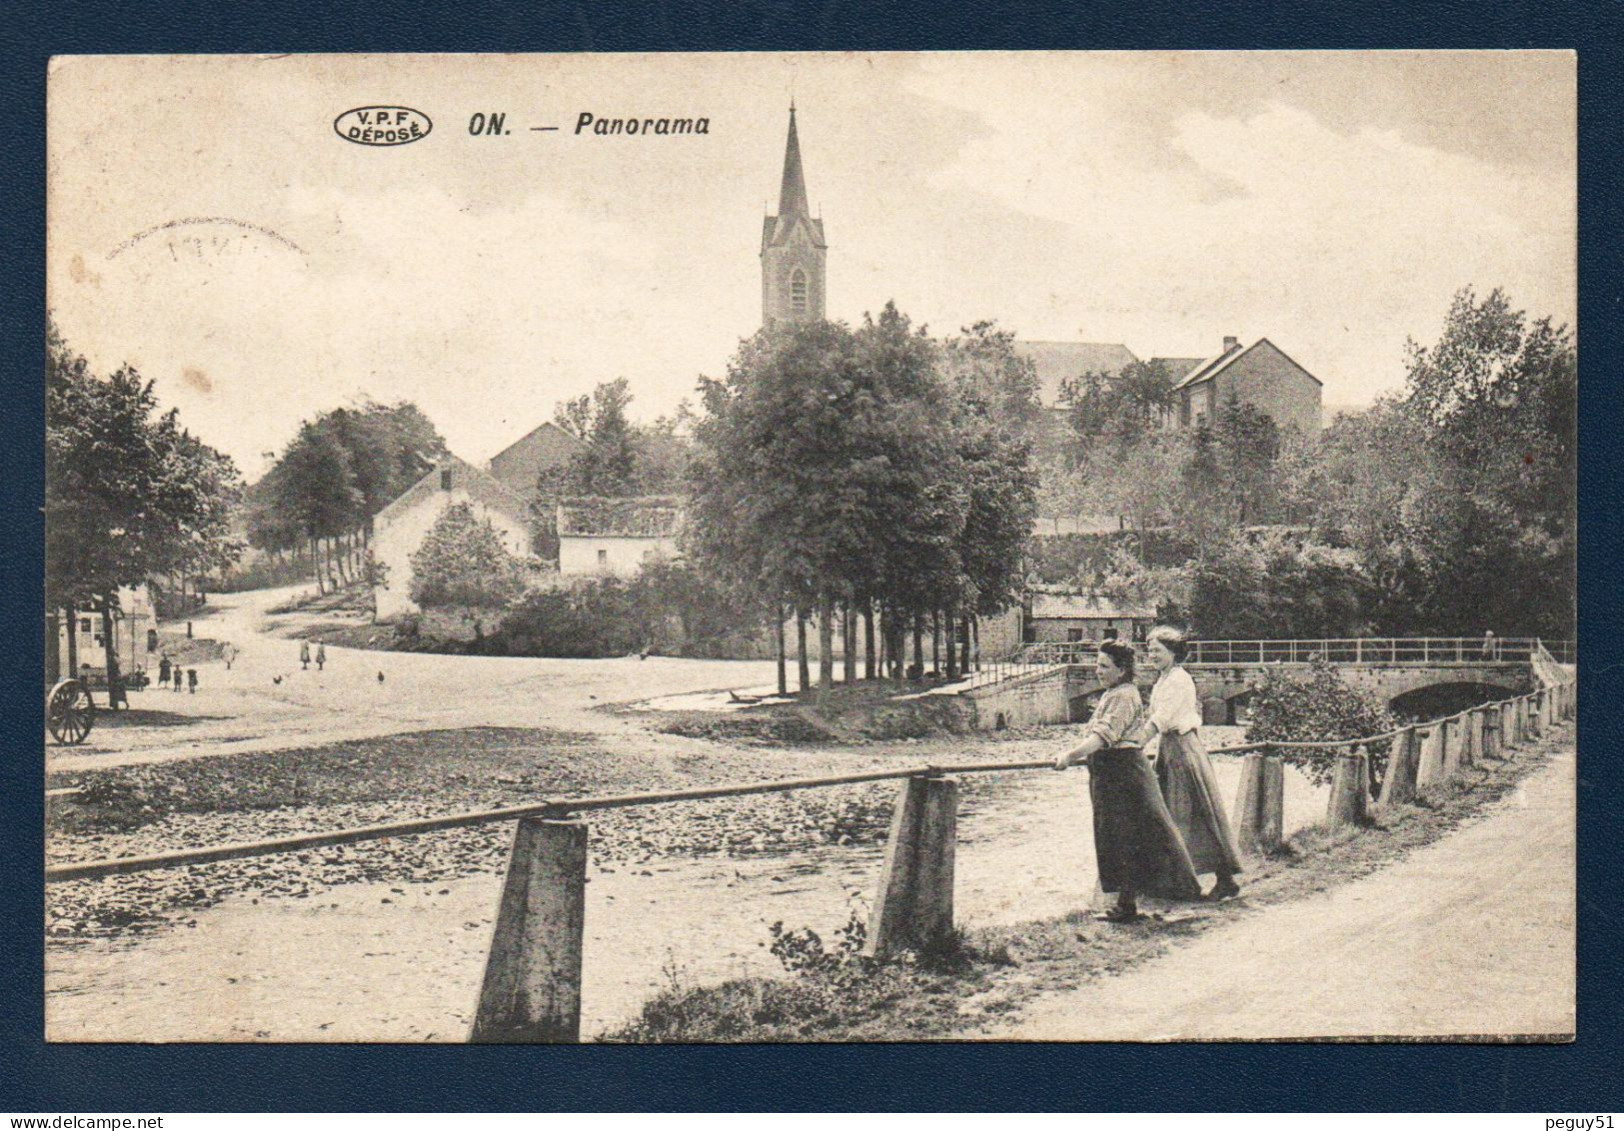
(531, 989)
(1347, 650)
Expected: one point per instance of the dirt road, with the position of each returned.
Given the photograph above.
(1471, 935)
(268, 701)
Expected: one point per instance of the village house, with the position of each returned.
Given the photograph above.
(521, 464)
(135, 638)
(1070, 618)
(1261, 374)
(607, 537)
(398, 530)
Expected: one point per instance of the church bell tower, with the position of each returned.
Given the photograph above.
(792, 247)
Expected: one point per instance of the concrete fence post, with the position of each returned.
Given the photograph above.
(1249, 799)
(1260, 802)
(1271, 829)
(532, 987)
(914, 904)
(1451, 729)
(1508, 725)
(1471, 737)
(1431, 765)
(1536, 713)
(1493, 745)
(1403, 764)
(1350, 789)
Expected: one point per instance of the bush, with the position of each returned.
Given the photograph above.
(668, 608)
(1318, 706)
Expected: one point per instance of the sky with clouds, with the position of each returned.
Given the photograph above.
(208, 226)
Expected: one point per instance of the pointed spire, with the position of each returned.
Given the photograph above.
(792, 196)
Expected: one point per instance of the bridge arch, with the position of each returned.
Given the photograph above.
(1449, 697)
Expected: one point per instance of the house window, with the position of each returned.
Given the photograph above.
(797, 291)
(445, 479)
(84, 624)
(603, 557)
(1073, 635)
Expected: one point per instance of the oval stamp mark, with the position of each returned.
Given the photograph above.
(198, 236)
(382, 125)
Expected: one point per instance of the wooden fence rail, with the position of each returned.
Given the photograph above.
(531, 989)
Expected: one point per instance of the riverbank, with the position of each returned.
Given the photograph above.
(979, 986)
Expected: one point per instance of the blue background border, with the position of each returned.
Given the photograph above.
(38, 1077)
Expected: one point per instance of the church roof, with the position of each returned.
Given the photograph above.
(792, 193)
(792, 199)
(1056, 361)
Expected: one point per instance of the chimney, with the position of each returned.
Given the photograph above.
(1231, 344)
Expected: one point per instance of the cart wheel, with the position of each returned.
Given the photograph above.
(70, 712)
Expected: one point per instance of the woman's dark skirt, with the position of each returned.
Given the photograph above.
(1190, 789)
(1136, 844)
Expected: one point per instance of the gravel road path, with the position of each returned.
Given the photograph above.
(266, 701)
(1471, 935)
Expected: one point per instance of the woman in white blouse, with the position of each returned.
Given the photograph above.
(1137, 847)
(1188, 783)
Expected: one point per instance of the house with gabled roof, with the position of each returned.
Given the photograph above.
(1261, 374)
(1057, 362)
(616, 537)
(520, 465)
(399, 529)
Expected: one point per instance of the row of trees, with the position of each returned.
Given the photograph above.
(340, 470)
(129, 494)
(872, 473)
(1445, 509)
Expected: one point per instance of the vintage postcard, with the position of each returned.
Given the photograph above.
(811, 547)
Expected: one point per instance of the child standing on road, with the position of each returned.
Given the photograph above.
(304, 655)
(177, 676)
(191, 680)
(321, 656)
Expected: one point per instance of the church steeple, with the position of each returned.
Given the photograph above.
(792, 193)
(793, 250)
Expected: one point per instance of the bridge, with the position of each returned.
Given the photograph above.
(1055, 683)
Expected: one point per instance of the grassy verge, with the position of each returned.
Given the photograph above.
(982, 975)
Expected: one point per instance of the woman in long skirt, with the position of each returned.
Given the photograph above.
(1189, 786)
(1136, 843)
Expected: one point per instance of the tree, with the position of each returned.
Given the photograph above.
(607, 463)
(463, 568)
(128, 492)
(1248, 444)
(995, 417)
(1497, 395)
(1127, 406)
(341, 469)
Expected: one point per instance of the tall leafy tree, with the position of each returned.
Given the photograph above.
(128, 492)
(1248, 444)
(1498, 396)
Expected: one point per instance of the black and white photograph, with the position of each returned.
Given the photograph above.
(811, 547)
